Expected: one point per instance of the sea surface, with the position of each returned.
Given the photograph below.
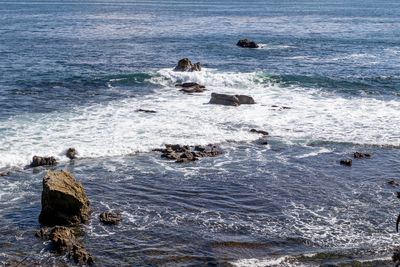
(73, 74)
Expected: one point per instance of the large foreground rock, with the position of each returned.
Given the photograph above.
(247, 44)
(186, 65)
(231, 100)
(64, 201)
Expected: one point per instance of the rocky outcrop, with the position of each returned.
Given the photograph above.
(71, 153)
(64, 200)
(230, 100)
(259, 131)
(360, 155)
(43, 161)
(145, 110)
(346, 162)
(186, 65)
(247, 44)
(183, 154)
(63, 240)
(191, 87)
(110, 218)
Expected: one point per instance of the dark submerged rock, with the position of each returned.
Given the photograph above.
(191, 87)
(110, 218)
(346, 162)
(259, 131)
(63, 240)
(145, 110)
(64, 200)
(230, 100)
(360, 155)
(43, 161)
(184, 154)
(6, 173)
(71, 153)
(396, 256)
(186, 65)
(247, 44)
(394, 183)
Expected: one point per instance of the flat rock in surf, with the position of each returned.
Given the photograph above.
(191, 87)
(231, 100)
(110, 218)
(183, 154)
(360, 155)
(146, 110)
(259, 131)
(185, 65)
(245, 43)
(43, 161)
(64, 200)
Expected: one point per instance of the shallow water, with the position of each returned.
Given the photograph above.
(74, 74)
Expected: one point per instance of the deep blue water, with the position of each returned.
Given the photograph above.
(73, 74)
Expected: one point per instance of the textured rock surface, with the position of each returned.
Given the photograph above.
(186, 65)
(64, 200)
(110, 218)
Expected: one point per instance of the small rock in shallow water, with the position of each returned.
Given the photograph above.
(71, 153)
(43, 161)
(183, 154)
(145, 110)
(247, 44)
(185, 65)
(360, 155)
(110, 218)
(346, 162)
(259, 131)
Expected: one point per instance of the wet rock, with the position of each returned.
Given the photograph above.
(247, 44)
(346, 162)
(6, 173)
(183, 154)
(43, 161)
(398, 194)
(396, 256)
(64, 200)
(394, 183)
(186, 65)
(259, 131)
(230, 100)
(110, 218)
(191, 87)
(145, 110)
(71, 153)
(63, 240)
(360, 155)
(262, 141)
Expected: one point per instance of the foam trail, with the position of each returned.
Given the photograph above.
(114, 128)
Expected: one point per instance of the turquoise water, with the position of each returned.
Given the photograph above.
(73, 74)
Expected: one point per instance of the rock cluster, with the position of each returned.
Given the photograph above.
(186, 65)
(247, 44)
(43, 161)
(183, 154)
(231, 100)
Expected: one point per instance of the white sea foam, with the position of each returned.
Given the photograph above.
(114, 128)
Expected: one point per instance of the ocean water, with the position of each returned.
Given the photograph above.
(73, 74)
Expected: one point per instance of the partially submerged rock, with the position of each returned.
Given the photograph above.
(259, 131)
(247, 44)
(110, 218)
(43, 161)
(6, 173)
(396, 256)
(183, 154)
(186, 65)
(71, 153)
(394, 182)
(230, 100)
(64, 200)
(346, 162)
(145, 110)
(360, 155)
(63, 240)
(191, 87)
